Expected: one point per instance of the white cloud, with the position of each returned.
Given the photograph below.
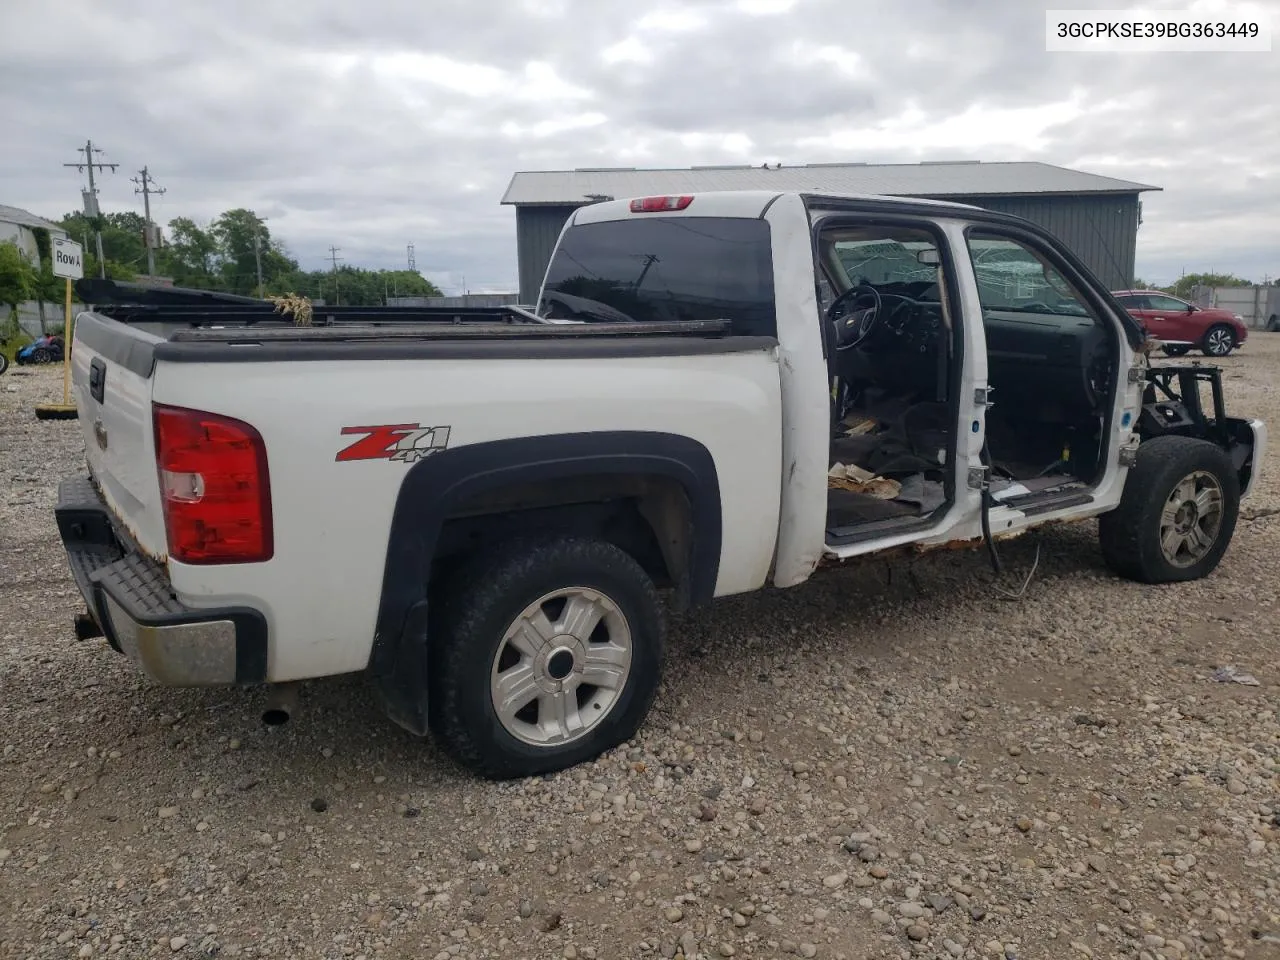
(370, 126)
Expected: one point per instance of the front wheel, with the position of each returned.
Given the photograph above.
(1177, 514)
(4, 363)
(41, 355)
(1219, 341)
(544, 655)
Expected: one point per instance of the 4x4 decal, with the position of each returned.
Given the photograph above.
(406, 442)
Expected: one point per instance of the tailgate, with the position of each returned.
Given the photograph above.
(111, 365)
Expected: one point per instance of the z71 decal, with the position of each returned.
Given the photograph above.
(406, 442)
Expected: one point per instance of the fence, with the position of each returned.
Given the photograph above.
(1258, 305)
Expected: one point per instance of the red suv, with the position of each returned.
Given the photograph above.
(1180, 325)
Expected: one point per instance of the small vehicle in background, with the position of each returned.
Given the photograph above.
(44, 349)
(1183, 326)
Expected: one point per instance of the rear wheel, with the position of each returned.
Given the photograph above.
(4, 362)
(545, 654)
(1177, 514)
(1219, 341)
(41, 355)
(1176, 349)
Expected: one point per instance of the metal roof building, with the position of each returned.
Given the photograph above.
(1096, 216)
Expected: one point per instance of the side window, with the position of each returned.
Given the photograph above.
(1014, 278)
(1167, 303)
(1133, 303)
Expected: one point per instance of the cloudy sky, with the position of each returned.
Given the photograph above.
(370, 125)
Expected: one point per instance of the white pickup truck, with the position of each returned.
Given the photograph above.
(488, 511)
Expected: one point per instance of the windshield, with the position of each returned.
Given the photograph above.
(664, 269)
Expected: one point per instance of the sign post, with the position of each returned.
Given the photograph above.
(68, 262)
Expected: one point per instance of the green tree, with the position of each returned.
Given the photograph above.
(191, 256)
(123, 242)
(235, 232)
(1185, 284)
(17, 277)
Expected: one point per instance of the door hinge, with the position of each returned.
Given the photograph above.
(982, 396)
(1128, 456)
(1135, 374)
(979, 478)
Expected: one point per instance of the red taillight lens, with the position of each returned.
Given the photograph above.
(659, 204)
(214, 486)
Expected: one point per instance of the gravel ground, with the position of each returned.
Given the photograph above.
(871, 765)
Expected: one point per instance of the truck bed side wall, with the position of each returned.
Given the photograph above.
(321, 590)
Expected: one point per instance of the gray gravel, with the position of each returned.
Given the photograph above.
(862, 767)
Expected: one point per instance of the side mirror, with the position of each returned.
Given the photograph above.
(929, 257)
(1192, 308)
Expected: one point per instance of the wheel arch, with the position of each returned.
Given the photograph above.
(461, 486)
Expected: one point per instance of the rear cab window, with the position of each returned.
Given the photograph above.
(654, 269)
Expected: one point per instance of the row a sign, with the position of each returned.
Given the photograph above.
(68, 259)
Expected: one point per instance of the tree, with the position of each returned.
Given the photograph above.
(191, 256)
(17, 277)
(235, 232)
(1185, 284)
(122, 241)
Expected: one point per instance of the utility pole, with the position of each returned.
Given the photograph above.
(257, 251)
(91, 197)
(334, 258)
(146, 187)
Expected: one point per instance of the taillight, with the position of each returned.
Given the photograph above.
(214, 487)
(659, 204)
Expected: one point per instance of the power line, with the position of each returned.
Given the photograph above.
(91, 195)
(146, 187)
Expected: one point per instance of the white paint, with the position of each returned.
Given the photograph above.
(763, 414)
(68, 258)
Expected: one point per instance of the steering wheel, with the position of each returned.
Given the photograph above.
(853, 324)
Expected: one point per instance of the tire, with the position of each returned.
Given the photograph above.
(1273, 323)
(1131, 535)
(475, 640)
(41, 355)
(1219, 341)
(1176, 349)
(4, 363)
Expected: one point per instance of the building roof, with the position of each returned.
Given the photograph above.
(962, 178)
(25, 219)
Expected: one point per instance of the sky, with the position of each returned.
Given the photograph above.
(372, 126)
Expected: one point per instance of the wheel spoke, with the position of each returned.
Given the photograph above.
(605, 665)
(513, 690)
(1198, 540)
(1171, 541)
(1209, 501)
(558, 714)
(581, 616)
(1186, 490)
(1169, 515)
(532, 633)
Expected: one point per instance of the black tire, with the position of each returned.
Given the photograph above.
(474, 609)
(1273, 323)
(4, 363)
(1219, 341)
(1130, 534)
(41, 355)
(1176, 349)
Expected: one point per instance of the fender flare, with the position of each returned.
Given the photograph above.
(437, 485)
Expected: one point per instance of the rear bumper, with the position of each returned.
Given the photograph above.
(129, 596)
